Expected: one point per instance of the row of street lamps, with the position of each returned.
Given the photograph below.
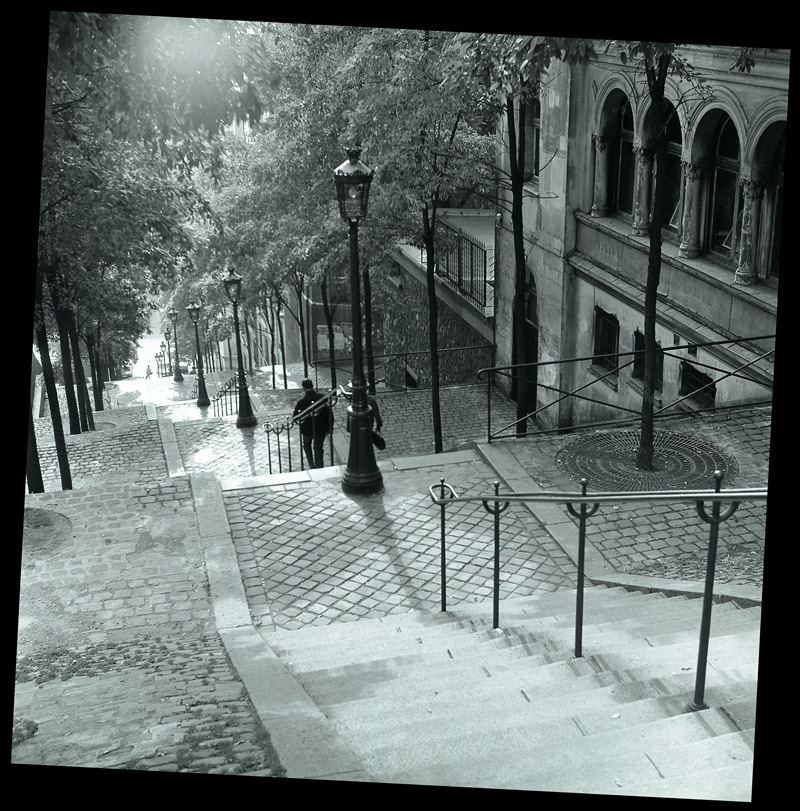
(361, 476)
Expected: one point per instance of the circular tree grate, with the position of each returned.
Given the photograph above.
(608, 462)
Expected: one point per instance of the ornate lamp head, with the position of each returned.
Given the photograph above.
(353, 179)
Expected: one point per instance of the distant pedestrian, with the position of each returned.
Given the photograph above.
(314, 427)
(148, 373)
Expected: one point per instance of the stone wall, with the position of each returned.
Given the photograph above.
(406, 322)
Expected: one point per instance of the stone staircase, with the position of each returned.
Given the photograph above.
(443, 699)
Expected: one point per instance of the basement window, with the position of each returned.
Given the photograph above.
(700, 388)
(606, 340)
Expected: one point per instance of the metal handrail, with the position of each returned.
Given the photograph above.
(223, 401)
(497, 503)
(488, 374)
(286, 424)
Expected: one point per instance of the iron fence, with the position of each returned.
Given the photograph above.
(225, 402)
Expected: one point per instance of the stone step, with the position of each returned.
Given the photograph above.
(678, 628)
(547, 644)
(503, 704)
(547, 683)
(553, 757)
(367, 640)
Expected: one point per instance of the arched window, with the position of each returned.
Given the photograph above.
(724, 223)
(775, 212)
(673, 177)
(623, 162)
(533, 113)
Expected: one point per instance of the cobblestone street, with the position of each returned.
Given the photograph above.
(117, 610)
(115, 614)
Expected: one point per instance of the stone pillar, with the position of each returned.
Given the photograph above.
(753, 193)
(690, 237)
(600, 205)
(644, 190)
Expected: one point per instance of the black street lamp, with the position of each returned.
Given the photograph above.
(173, 314)
(233, 287)
(169, 354)
(202, 394)
(353, 179)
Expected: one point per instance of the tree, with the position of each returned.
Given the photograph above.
(510, 70)
(133, 106)
(426, 143)
(513, 66)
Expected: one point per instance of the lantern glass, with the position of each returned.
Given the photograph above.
(233, 286)
(353, 179)
(173, 314)
(194, 311)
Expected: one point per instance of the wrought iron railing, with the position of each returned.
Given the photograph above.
(225, 402)
(497, 503)
(466, 264)
(530, 371)
(281, 430)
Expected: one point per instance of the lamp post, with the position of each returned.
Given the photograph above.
(178, 377)
(233, 287)
(202, 394)
(169, 354)
(353, 179)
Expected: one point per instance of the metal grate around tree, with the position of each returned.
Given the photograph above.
(680, 461)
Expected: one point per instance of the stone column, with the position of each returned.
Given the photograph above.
(752, 193)
(600, 205)
(644, 190)
(690, 238)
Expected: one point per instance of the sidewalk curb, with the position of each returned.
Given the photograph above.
(307, 744)
(564, 532)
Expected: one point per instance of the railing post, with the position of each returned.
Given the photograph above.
(443, 554)
(714, 520)
(496, 510)
(582, 516)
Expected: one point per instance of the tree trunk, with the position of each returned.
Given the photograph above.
(368, 332)
(97, 390)
(282, 342)
(85, 409)
(328, 311)
(50, 387)
(433, 320)
(33, 470)
(516, 148)
(656, 82)
(249, 342)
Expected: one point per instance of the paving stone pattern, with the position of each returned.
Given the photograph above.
(114, 578)
(329, 559)
(675, 543)
(134, 450)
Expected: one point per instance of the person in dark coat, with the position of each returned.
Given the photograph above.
(313, 427)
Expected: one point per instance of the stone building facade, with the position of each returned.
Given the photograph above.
(587, 220)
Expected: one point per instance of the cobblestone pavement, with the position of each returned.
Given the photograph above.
(670, 540)
(323, 558)
(119, 664)
(115, 608)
